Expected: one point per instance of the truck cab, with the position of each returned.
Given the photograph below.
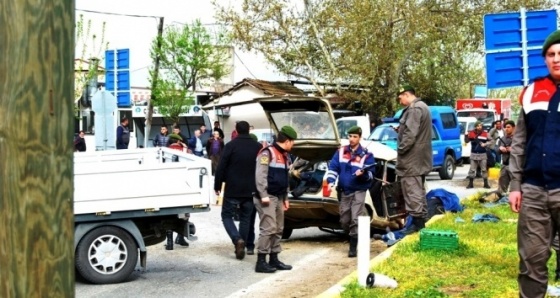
(446, 139)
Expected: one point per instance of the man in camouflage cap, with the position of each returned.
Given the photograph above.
(271, 198)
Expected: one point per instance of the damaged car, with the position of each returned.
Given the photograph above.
(317, 141)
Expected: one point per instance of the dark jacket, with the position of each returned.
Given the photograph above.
(79, 144)
(209, 146)
(344, 165)
(123, 137)
(237, 167)
(534, 156)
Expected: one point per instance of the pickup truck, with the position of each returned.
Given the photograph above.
(446, 139)
(126, 200)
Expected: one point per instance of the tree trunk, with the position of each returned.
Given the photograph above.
(36, 132)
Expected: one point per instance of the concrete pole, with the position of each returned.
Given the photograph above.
(36, 132)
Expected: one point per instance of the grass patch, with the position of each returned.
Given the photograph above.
(485, 264)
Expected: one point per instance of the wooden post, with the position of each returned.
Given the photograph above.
(36, 131)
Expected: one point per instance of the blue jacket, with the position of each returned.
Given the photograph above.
(345, 163)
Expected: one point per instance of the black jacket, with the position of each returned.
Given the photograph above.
(237, 167)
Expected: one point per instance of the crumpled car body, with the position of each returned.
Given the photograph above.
(317, 141)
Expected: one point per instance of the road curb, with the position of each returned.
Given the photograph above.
(334, 291)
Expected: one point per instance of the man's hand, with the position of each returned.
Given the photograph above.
(217, 192)
(359, 172)
(503, 149)
(286, 204)
(265, 201)
(515, 201)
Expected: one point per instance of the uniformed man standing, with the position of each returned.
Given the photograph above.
(352, 165)
(535, 167)
(479, 139)
(414, 156)
(271, 199)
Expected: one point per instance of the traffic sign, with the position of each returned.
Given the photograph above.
(513, 43)
(117, 75)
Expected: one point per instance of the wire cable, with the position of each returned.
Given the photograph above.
(247, 68)
(117, 14)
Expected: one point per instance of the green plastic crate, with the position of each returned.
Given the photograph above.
(438, 239)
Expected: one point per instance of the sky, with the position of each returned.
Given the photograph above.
(137, 33)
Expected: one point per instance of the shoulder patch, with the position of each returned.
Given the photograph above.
(263, 160)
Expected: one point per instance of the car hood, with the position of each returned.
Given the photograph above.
(313, 120)
(379, 150)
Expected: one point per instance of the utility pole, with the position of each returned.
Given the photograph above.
(154, 83)
(36, 152)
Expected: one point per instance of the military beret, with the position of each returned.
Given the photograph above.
(477, 123)
(553, 38)
(405, 88)
(289, 132)
(254, 136)
(355, 130)
(175, 136)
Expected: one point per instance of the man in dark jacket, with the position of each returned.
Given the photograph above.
(123, 134)
(479, 139)
(237, 169)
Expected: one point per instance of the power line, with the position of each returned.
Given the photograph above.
(234, 52)
(117, 14)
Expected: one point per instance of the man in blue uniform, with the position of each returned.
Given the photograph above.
(352, 165)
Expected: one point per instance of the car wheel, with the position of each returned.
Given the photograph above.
(448, 168)
(287, 232)
(106, 255)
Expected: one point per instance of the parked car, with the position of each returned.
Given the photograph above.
(317, 142)
(446, 139)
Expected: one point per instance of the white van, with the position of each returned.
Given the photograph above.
(466, 124)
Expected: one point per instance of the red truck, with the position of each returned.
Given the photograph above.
(486, 110)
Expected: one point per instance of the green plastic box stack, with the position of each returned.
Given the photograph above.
(438, 239)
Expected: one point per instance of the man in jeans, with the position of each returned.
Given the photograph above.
(237, 169)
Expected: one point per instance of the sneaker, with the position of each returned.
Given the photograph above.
(240, 249)
(250, 251)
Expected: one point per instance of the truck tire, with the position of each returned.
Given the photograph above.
(106, 255)
(447, 168)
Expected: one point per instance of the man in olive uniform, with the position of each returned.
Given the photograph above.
(271, 198)
(414, 156)
(535, 167)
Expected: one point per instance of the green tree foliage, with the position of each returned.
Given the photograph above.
(190, 56)
(372, 45)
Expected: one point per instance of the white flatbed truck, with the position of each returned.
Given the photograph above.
(126, 200)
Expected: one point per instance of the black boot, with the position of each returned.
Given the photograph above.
(262, 265)
(169, 245)
(352, 252)
(181, 240)
(418, 223)
(470, 185)
(274, 262)
(557, 277)
(486, 185)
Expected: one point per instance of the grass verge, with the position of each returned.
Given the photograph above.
(485, 264)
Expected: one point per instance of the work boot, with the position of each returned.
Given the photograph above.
(262, 265)
(418, 223)
(169, 245)
(486, 185)
(557, 277)
(239, 249)
(470, 185)
(181, 240)
(274, 262)
(352, 252)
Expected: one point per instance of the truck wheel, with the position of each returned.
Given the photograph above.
(447, 169)
(106, 255)
(287, 232)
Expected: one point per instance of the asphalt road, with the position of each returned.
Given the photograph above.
(208, 267)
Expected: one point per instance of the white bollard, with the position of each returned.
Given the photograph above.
(363, 249)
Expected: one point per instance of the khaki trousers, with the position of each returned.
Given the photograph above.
(414, 195)
(271, 225)
(351, 206)
(539, 221)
